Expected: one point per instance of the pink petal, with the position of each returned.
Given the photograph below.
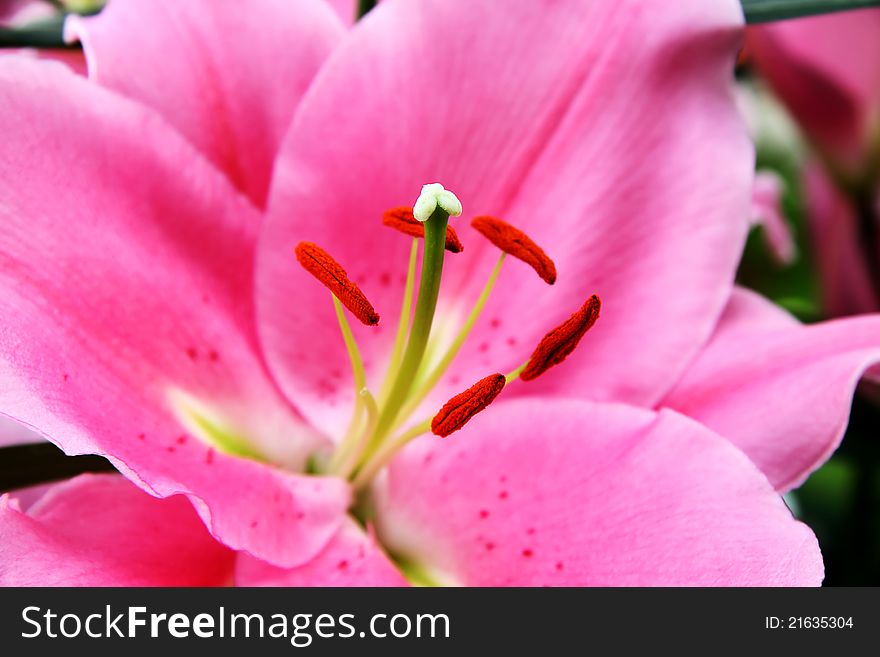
(605, 130)
(843, 274)
(102, 531)
(538, 492)
(767, 212)
(827, 70)
(229, 77)
(345, 9)
(779, 391)
(13, 433)
(72, 59)
(352, 558)
(125, 265)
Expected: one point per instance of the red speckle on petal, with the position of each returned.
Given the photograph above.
(213, 356)
(170, 449)
(511, 341)
(502, 495)
(142, 436)
(530, 531)
(209, 456)
(528, 554)
(559, 565)
(495, 323)
(484, 347)
(484, 514)
(192, 353)
(385, 279)
(66, 378)
(254, 523)
(181, 440)
(342, 565)
(490, 546)
(300, 515)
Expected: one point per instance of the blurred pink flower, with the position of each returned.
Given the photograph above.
(767, 212)
(153, 314)
(20, 12)
(827, 72)
(843, 257)
(826, 69)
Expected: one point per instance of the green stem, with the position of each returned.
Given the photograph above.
(765, 11)
(48, 33)
(429, 290)
(364, 7)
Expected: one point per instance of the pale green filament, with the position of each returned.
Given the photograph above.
(381, 458)
(514, 375)
(353, 434)
(349, 460)
(428, 384)
(402, 324)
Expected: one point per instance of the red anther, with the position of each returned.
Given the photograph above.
(322, 266)
(561, 341)
(458, 411)
(402, 219)
(515, 242)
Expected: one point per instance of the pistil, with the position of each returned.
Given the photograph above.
(440, 203)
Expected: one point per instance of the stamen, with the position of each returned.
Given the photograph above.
(348, 458)
(352, 436)
(402, 324)
(384, 455)
(322, 266)
(459, 410)
(402, 219)
(561, 341)
(515, 242)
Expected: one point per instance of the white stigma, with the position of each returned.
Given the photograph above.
(434, 195)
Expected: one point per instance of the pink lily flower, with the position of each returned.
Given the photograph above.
(156, 319)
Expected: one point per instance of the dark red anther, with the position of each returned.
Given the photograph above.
(515, 242)
(561, 341)
(322, 266)
(460, 409)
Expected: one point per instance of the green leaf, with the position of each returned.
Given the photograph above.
(763, 11)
